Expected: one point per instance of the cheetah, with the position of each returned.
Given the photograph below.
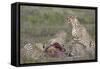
(79, 32)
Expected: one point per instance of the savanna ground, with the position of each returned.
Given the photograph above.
(40, 24)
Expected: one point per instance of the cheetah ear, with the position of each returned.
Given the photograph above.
(66, 19)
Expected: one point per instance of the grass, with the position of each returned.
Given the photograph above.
(40, 24)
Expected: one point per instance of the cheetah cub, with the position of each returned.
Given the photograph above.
(79, 32)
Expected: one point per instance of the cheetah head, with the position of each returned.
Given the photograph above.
(71, 19)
